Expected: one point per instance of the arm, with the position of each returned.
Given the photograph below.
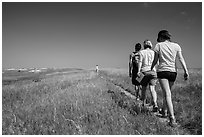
(139, 68)
(130, 66)
(139, 65)
(183, 64)
(156, 57)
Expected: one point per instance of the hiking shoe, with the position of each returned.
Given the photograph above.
(155, 109)
(172, 122)
(163, 113)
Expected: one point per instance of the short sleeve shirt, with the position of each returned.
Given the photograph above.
(167, 55)
(146, 58)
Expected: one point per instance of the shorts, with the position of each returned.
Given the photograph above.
(134, 81)
(134, 75)
(150, 78)
(170, 76)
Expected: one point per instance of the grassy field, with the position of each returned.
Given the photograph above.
(83, 102)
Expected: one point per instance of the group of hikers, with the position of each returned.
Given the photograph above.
(159, 63)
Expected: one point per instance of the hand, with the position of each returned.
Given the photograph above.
(138, 74)
(186, 76)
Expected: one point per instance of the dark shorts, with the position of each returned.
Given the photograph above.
(134, 75)
(134, 81)
(150, 78)
(171, 76)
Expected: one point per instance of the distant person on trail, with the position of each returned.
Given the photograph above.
(133, 68)
(167, 52)
(146, 58)
(97, 69)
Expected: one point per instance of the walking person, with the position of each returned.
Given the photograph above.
(146, 58)
(166, 53)
(97, 68)
(133, 68)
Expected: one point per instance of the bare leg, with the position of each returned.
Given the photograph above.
(167, 101)
(137, 90)
(153, 94)
(144, 88)
(171, 85)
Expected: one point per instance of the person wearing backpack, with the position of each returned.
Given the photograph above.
(133, 68)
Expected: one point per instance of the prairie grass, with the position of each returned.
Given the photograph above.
(186, 96)
(85, 102)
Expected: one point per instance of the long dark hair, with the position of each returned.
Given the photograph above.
(164, 35)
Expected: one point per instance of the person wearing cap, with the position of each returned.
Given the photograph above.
(146, 58)
(133, 68)
(166, 53)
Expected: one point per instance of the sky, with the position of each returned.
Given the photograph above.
(83, 35)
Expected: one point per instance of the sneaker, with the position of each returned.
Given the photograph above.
(155, 109)
(163, 113)
(138, 98)
(172, 122)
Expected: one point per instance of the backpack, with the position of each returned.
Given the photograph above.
(135, 59)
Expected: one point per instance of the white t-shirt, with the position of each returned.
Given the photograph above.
(146, 57)
(97, 68)
(167, 55)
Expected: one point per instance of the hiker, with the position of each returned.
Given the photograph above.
(97, 69)
(146, 58)
(133, 68)
(166, 53)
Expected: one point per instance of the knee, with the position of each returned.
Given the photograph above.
(168, 97)
(152, 87)
(167, 94)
